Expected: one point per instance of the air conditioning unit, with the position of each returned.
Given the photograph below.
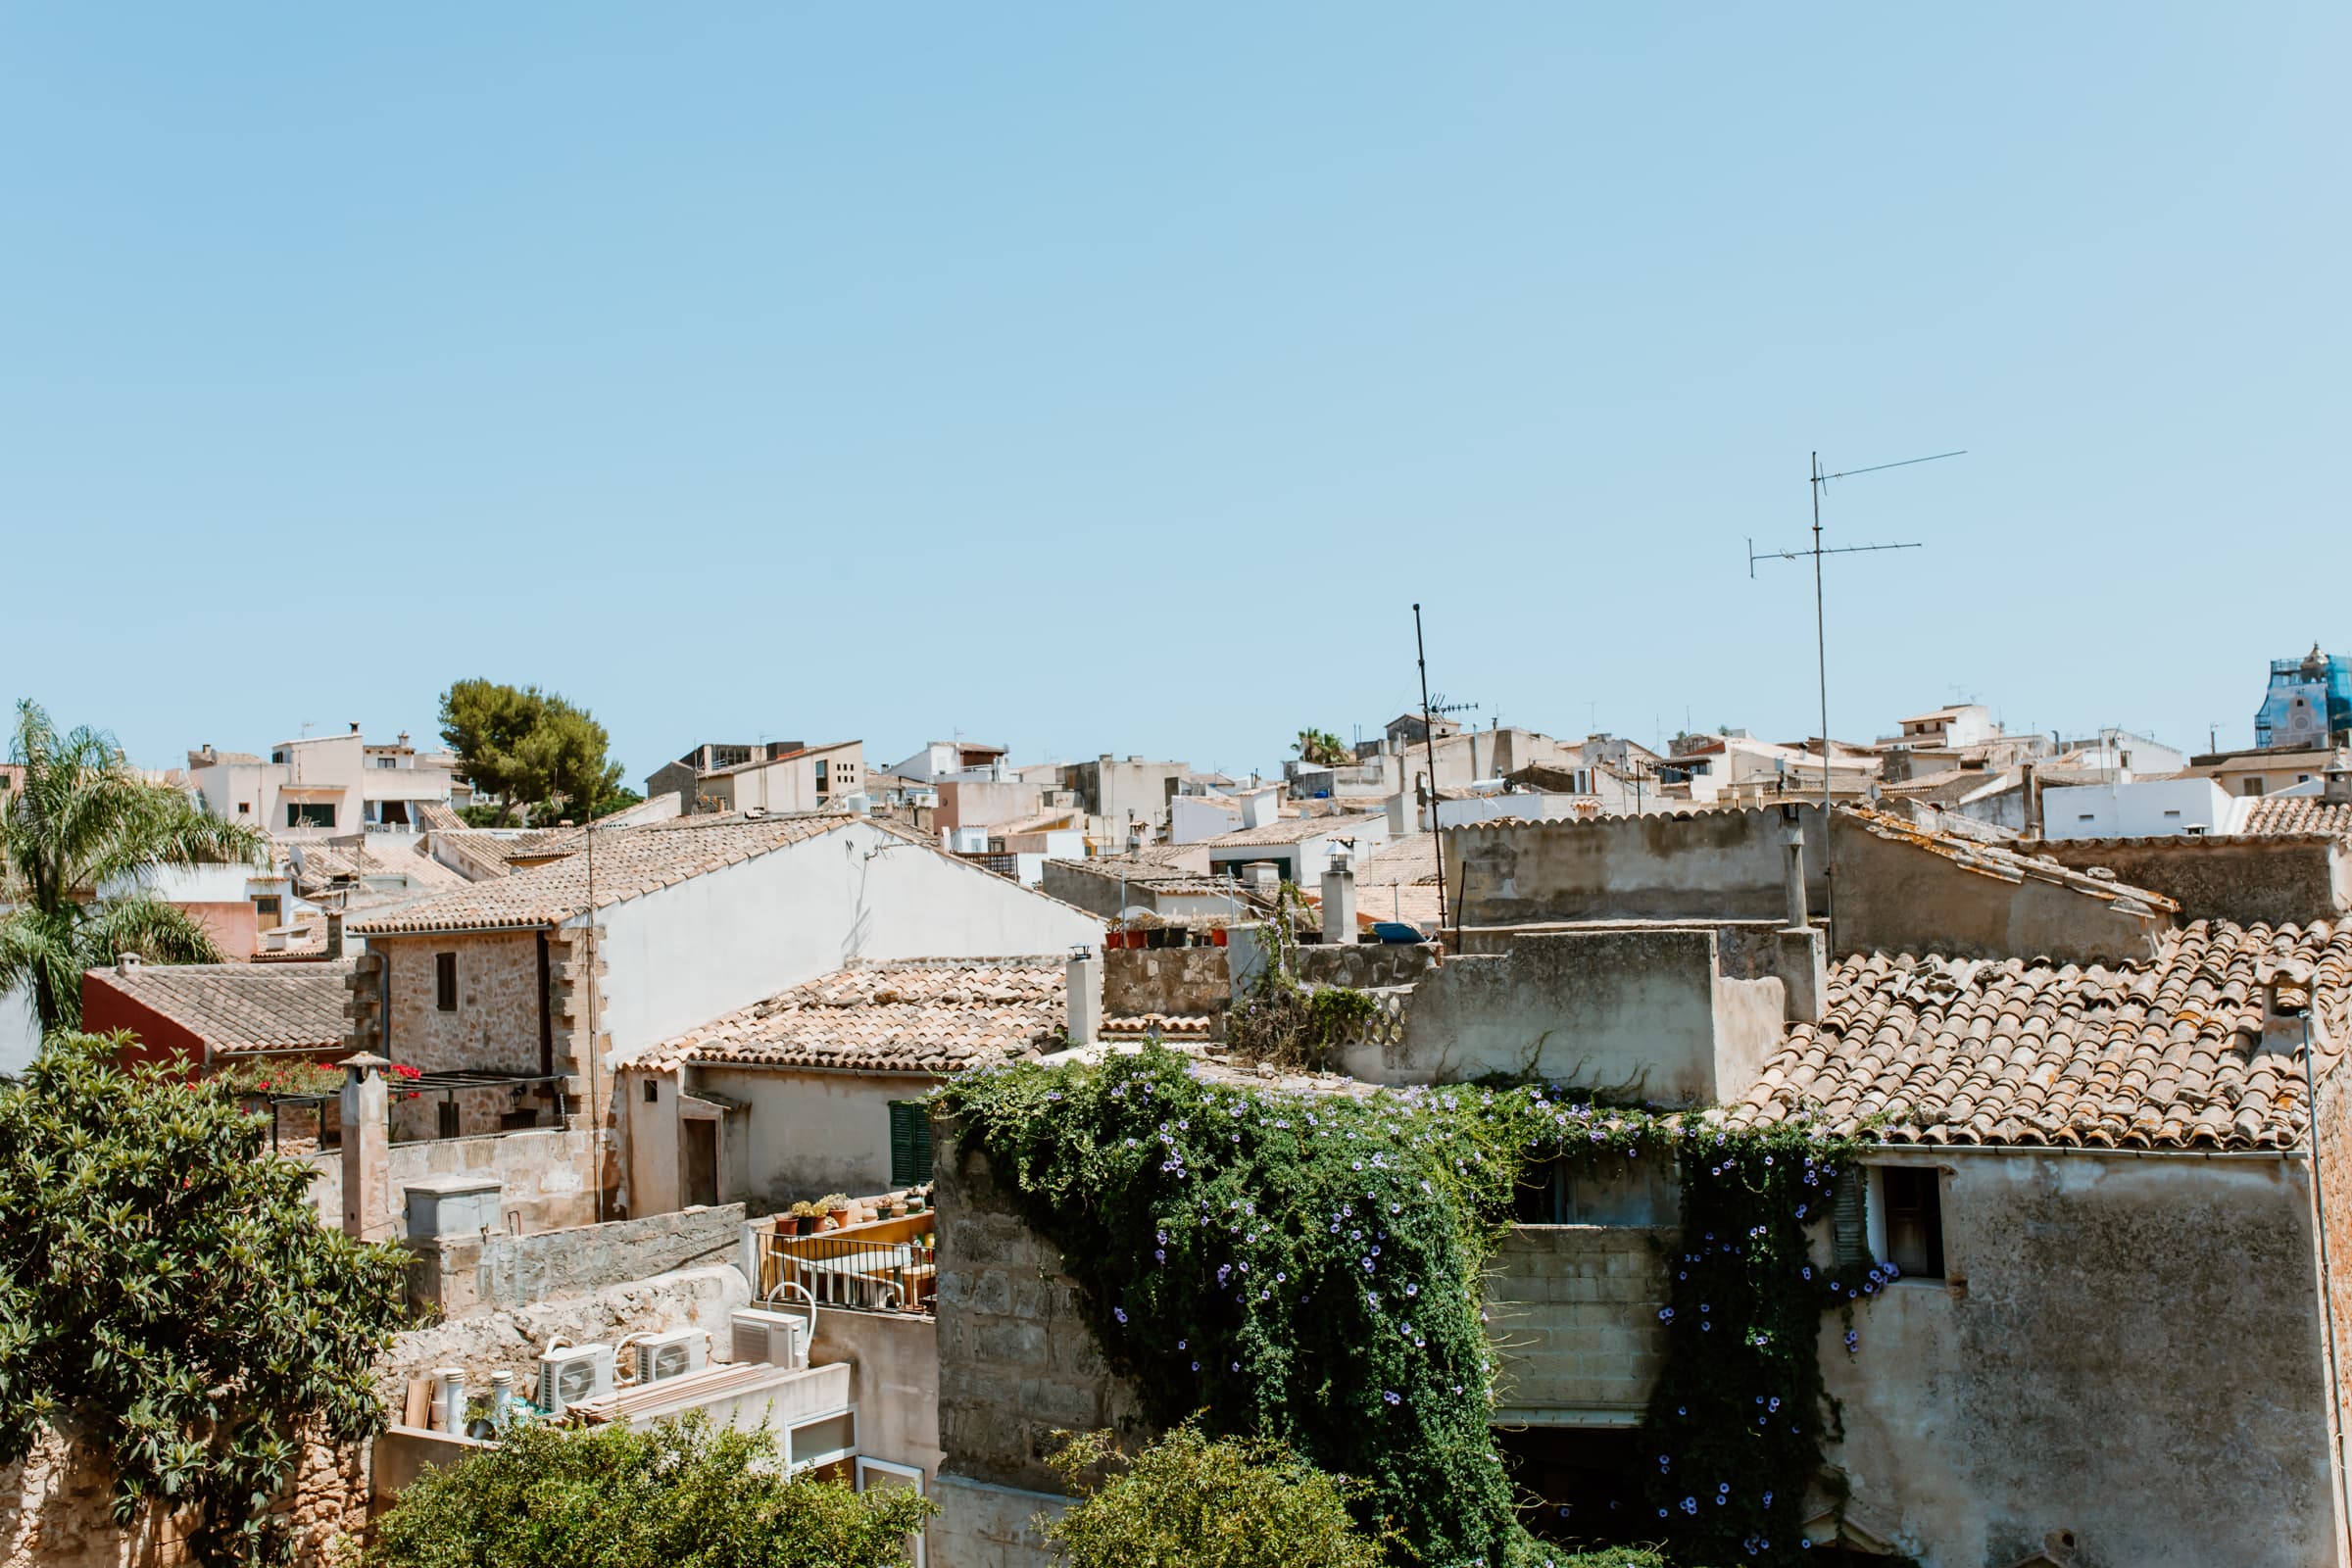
(780, 1339)
(574, 1373)
(661, 1356)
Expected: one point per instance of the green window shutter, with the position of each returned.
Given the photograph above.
(909, 1142)
(1849, 1233)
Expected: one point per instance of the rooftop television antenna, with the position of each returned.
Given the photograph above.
(1821, 654)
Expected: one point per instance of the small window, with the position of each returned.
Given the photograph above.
(2087, 817)
(303, 813)
(1914, 1196)
(447, 1125)
(2252, 786)
(445, 981)
(909, 1142)
(2172, 813)
(244, 808)
(2302, 778)
(652, 1092)
(266, 911)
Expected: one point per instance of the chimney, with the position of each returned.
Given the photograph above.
(367, 1148)
(2031, 782)
(334, 933)
(128, 964)
(1085, 996)
(355, 726)
(1339, 901)
(2336, 786)
(404, 737)
(1793, 849)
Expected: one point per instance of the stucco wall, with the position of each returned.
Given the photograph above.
(2332, 1129)
(2273, 881)
(1898, 895)
(1639, 1012)
(1573, 1313)
(711, 944)
(1711, 864)
(810, 1133)
(2131, 1352)
(893, 1380)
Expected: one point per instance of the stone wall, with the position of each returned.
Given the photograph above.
(544, 1175)
(460, 1276)
(985, 1526)
(1573, 1311)
(2273, 881)
(1723, 866)
(56, 1511)
(1016, 1362)
(510, 1339)
(1365, 966)
(1176, 981)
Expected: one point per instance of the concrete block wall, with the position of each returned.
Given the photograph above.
(1573, 1311)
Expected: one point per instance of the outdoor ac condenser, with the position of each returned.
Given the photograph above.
(780, 1339)
(574, 1373)
(661, 1356)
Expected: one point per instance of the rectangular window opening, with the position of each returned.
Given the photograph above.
(1914, 1196)
(445, 981)
(909, 1142)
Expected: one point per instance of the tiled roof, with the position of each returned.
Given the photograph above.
(1172, 1025)
(1291, 831)
(2279, 815)
(436, 815)
(242, 1007)
(1408, 860)
(630, 862)
(383, 856)
(920, 1016)
(2168, 1053)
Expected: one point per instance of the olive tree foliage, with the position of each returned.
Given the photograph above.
(541, 756)
(84, 821)
(675, 1494)
(1242, 1503)
(170, 1299)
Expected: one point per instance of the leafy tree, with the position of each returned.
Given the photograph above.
(86, 821)
(538, 753)
(677, 1495)
(1245, 1503)
(168, 1295)
(1322, 746)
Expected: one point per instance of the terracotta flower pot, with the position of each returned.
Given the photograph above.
(828, 1223)
(898, 1208)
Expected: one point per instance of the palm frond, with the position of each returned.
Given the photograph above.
(149, 928)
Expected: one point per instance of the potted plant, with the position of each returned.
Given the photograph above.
(834, 1210)
(898, 1206)
(803, 1217)
(917, 1201)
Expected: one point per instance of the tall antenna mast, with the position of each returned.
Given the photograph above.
(1429, 745)
(1821, 645)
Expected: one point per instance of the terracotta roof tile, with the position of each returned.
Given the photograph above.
(1291, 830)
(236, 1008)
(630, 862)
(919, 1015)
(2280, 815)
(2168, 1053)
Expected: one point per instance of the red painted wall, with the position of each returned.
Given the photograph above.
(104, 1009)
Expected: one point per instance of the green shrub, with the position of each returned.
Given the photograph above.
(677, 1495)
(167, 1290)
(1190, 1502)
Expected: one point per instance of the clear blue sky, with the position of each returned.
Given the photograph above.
(1113, 379)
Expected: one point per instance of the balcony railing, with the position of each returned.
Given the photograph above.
(890, 1266)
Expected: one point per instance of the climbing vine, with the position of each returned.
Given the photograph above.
(1307, 1266)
